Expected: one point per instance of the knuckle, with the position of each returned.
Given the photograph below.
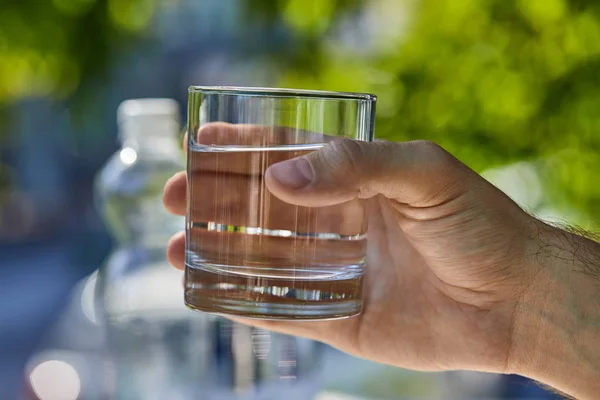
(429, 147)
(340, 162)
(349, 154)
(355, 166)
(434, 154)
(445, 172)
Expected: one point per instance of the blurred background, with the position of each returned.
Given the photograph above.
(511, 87)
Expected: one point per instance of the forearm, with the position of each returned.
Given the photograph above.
(556, 337)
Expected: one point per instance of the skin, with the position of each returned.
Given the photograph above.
(458, 276)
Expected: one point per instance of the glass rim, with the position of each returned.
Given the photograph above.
(282, 92)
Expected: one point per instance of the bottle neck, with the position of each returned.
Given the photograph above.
(150, 135)
(153, 146)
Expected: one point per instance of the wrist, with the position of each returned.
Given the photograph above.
(556, 328)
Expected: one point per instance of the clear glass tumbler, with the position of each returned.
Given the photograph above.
(249, 253)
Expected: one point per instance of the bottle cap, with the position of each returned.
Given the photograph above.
(143, 118)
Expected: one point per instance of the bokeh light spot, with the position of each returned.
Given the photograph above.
(128, 156)
(55, 380)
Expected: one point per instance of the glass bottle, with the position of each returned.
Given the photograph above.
(154, 341)
(160, 349)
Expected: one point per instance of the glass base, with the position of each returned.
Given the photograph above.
(258, 310)
(272, 298)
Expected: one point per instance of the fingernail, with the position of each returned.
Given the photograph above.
(295, 174)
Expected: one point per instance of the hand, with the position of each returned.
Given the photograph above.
(447, 254)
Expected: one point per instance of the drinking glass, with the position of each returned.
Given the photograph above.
(248, 252)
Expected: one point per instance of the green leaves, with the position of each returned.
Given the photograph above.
(492, 81)
(48, 48)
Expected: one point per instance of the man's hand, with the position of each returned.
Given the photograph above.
(450, 258)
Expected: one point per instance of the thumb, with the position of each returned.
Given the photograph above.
(418, 173)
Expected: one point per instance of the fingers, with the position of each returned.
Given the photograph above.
(239, 200)
(253, 162)
(419, 174)
(228, 200)
(176, 250)
(174, 194)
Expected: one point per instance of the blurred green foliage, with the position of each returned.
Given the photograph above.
(493, 81)
(52, 48)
